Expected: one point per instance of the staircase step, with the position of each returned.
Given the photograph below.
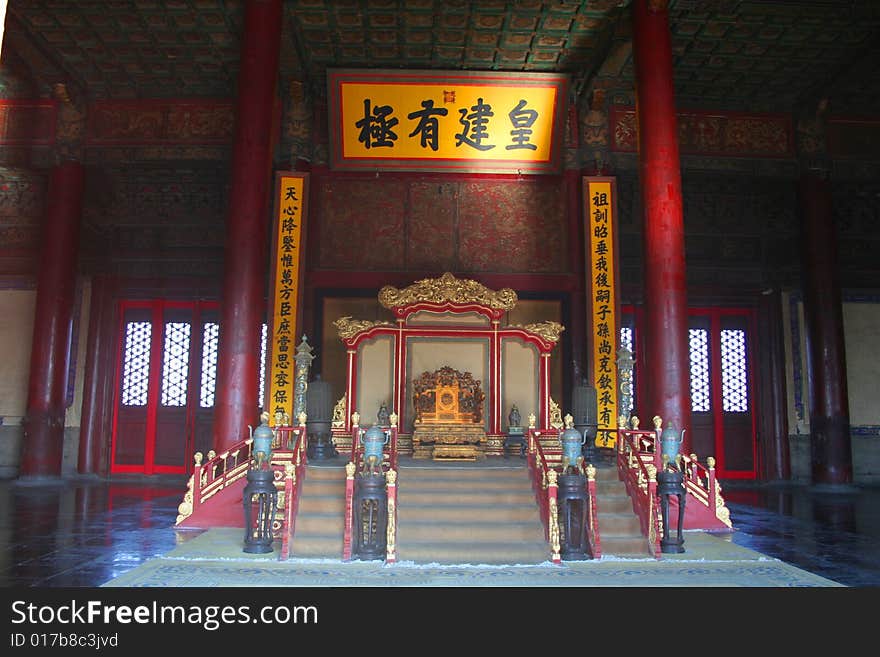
(325, 487)
(625, 546)
(613, 505)
(427, 498)
(319, 523)
(442, 533)
(318, 546)
(321, 504)
(467, 552)
(619, 524)
(324, 473)
(476, 485)
(465, 472)
(442, 513)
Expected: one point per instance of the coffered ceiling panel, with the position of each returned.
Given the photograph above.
(751, 55)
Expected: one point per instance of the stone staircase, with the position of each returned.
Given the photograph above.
(460, 514)
(620, 533)
(468, 514)
(320, 520)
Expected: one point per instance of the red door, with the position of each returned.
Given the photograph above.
(166, 368)
(722, 381)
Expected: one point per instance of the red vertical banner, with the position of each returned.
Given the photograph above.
(288, 242)
(603, 304)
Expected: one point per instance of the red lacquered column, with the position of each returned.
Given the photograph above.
(98, 381)
(666, 340)
(53, 324)
(830, 449)
(243, 306)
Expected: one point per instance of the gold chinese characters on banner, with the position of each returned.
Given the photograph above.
(600, 223)
(447, 121)
(291, 191)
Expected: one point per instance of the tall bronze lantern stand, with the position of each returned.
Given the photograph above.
(260, 500)
(572, 495)
(670, 483)
(370, 515)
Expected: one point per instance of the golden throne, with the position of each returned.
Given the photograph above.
(448, 424)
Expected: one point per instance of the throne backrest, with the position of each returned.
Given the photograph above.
(447, 396)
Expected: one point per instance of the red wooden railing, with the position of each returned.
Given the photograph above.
(223, 470)
(704, 507)
(593, 539)
(635, 467)
(545, 455)
(295, 440)
(354, 464)
(212, 476)
(545, 461)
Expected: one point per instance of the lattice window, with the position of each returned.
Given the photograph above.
(263, 340)
(734, 371)
(210, 341)
(699, 359)
(175, 363)
(136, 363)
(626, 338)
(626, 341)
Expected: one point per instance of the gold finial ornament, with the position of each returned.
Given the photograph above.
(447, 288)
(356, 419)
(391, 477)
(532, 420)
(301, 418)
(710, 462)
(591, 472)
(347, 327)
(350, 468)
(548, 331)
(279, 418)
(569, 421)
(658, 423)
(635, 422)
(551, 477)
(211, 454)
(621, 421)
(198, 458)
(393, 419)
(652, 472)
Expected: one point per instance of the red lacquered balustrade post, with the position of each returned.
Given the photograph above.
(552, 516)
(349, 510)
(710, 464)
(391, 533)
(289, 514)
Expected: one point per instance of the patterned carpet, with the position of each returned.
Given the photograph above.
(215, 559)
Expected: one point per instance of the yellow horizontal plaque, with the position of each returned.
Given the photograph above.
(446, 121)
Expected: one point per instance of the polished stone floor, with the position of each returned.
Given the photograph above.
(86, 532)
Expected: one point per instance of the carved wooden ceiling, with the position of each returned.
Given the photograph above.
(755, 55)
